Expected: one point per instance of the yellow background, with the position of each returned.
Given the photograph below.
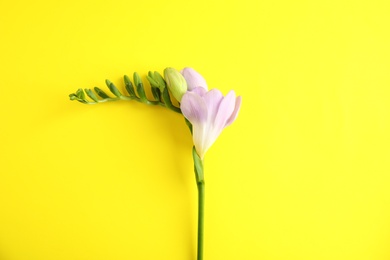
(302, 174)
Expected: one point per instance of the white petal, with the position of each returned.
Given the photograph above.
(199, 135)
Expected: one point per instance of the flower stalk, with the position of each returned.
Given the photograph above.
(201, 190)
(135, 92)
(199, 175)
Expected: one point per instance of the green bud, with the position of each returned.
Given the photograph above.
(101, 93)
(91, 95)
(152, 81)
(112, 88)
(161, 82)
(176, 83)
(137, 79)
(129, 86)
(156, 93)
(80, 94)
(73, 96)
(140, 87)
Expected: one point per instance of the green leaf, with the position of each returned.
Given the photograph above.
(129, 86)
(101, 93)
(112, 88)
(91, 95)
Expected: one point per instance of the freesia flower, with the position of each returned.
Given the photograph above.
(176, 83)
(193, 78)
(209, 113)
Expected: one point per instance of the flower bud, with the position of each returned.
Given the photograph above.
(176, 83)
(194, 79)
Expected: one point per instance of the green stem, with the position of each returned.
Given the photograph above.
(199, 175)
(201, 189)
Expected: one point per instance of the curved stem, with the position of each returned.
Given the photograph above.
(168, 105)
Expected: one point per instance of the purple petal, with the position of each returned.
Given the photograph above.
(213, 99)
(194, 108)
(200, 91)
(235, 112)
(193, 78)
(225, 110)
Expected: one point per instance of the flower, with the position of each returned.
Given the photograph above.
(193, 78)
(209, 113)
(176, 83)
